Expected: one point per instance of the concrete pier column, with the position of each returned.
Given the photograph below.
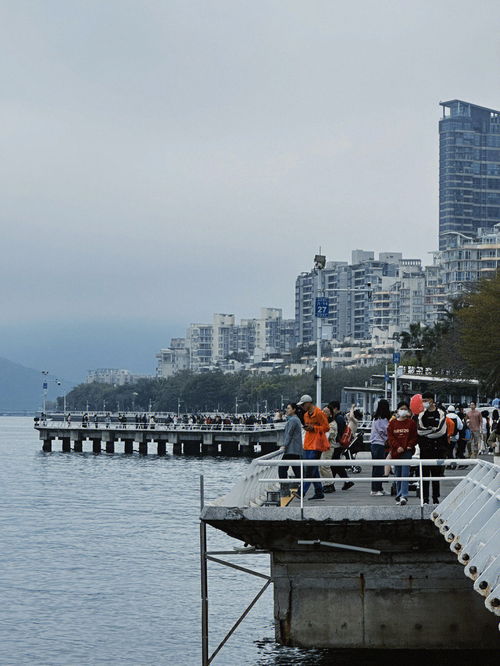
(109, 439)
(177, 445)
(66, 444)
(143, 448)
(78, 446)
(207, 445)
(246, 448)
(47, 445)
(128, 446)
(110, 447)
(162, 447)
(96, 445)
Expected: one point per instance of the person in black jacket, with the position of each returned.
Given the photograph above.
(432, 441)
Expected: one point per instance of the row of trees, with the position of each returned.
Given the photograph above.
(466, 344)
(211, 391)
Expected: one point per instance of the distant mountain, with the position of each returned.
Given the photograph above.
(21, 388)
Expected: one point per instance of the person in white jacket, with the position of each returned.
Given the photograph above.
(452, 415)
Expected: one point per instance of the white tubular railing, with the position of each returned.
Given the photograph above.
(411, 462)
(469, 519)
(252, 489)
(165, 427)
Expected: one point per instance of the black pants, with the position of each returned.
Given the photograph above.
(338, 471)
(283, 471)
(461, 448)
(435, 471)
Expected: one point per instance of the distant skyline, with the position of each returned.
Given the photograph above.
(162, 161)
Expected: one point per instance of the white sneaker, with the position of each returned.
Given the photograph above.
(403, 501)
(377, 493)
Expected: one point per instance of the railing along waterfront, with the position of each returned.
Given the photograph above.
(469, 520)
(245, 492)
(164, 427)
(249, 491)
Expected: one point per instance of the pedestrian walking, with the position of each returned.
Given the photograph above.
(474, 423)
(378, 442)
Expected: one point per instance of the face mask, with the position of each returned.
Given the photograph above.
(402, 412)
(426, 405)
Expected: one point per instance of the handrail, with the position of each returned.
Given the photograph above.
(165, 427)
(251, 489)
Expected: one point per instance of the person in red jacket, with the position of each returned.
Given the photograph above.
(402, 438)
(315, 442)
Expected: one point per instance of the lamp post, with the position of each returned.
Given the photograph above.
(236, 405)
(321, 312)
(45, 386)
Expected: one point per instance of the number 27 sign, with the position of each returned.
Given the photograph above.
(322, 308)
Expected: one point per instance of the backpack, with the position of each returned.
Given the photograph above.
(346, 437)
(455, 428)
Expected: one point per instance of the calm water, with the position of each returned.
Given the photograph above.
(99, 563)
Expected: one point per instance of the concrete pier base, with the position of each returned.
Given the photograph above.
(162, 448)
(78, 446)
(47, 445)
(96, 445)
(128, 446)
(66, 444)
(110, 447)
(413, 595)
(177, 448)
(143, 448)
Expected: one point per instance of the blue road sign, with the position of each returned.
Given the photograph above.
(45, 385)
(396, 357)
(322, 308)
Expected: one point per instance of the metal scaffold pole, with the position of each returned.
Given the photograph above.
(204, 580)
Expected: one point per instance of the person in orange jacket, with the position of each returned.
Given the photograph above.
(315, 442)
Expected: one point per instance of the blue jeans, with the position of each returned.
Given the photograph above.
(402, 470)
(312, 472)
(378, 453)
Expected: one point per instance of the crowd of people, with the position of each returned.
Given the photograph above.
(312, 433)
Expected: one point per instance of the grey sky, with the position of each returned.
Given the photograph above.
(164, 160)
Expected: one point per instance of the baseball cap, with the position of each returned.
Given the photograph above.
(305, 398)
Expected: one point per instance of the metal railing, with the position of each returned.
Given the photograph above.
(469, 520)
(252, 489)
(164, 427)
(249, 491)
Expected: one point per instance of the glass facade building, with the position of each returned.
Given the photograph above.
(469, 169)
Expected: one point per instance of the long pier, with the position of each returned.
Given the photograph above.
(183, 439)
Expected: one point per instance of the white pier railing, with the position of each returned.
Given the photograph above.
(469, 520)
(164, 427)
(251, 489)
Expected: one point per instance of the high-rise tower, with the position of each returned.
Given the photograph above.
(469, 169)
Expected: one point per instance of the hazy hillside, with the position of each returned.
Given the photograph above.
(21, 387)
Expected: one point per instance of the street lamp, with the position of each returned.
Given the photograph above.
(236, 405)
(134, 395)
(321, 312)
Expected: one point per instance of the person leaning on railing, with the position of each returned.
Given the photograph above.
(292, 443)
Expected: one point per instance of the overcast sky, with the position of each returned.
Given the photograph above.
(163, 160)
